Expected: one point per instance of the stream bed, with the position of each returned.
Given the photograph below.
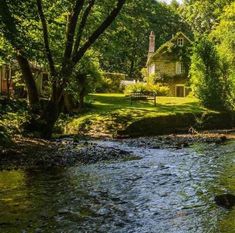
(164, 191)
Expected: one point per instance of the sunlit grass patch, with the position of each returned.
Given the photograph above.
(113, 112)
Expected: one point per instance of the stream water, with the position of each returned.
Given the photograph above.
(166, 191)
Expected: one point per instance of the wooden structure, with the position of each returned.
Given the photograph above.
(7, 73)
(6, 84)
(138, 96)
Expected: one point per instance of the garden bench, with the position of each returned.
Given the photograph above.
(136, 96)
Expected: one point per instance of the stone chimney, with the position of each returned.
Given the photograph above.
(151, 42)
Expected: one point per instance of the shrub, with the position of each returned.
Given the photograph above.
(206, 76)
(145, 88)
(111, 83)
(4, 136)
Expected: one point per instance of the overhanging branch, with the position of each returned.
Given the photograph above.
(82, 25)
(46, 38)
(71, 29)
(95, 35)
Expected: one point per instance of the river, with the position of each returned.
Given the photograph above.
(165, 191)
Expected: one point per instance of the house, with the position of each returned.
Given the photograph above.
(8, 73)
(169, 64)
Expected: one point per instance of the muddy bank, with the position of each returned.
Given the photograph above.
(179, 123)
(36, 153)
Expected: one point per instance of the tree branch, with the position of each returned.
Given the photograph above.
(82, 25)
(46, 38)
(13, 37)
(92, 39)
(71, 29)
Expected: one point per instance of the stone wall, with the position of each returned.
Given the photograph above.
(165, 67)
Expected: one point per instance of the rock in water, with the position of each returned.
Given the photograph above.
(225, 200)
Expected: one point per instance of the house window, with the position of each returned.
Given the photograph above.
(179, 68)
(152, 69)
(180, 42)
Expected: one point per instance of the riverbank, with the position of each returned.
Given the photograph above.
(113, 116)
(28, 153)
(33, 153)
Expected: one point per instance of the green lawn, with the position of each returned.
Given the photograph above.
(112, 112)
(165, 105)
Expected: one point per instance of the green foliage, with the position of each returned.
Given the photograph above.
(130, 35)
(171, 79)
(151, 79)
(111, 83)
(4, 136)
(86, 76)
(202, 16)
(158, 89)
(12, 114)
(206, 76)
(224, 37)
(224, 34)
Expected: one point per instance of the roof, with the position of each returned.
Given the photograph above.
(168, 45)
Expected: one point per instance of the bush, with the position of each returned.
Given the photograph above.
(159, 90)
(111, 83)
(84, 80)
(4, 136)
(12, 114)
(206, 76)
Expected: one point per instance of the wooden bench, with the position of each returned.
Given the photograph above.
(136, 96)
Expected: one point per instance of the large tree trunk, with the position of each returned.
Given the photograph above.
(29, 81)
(41, 125)
(69, 104)
(48, 119)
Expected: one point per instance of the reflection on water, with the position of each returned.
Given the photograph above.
(166, 191)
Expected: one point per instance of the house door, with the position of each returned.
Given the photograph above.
(180, 91)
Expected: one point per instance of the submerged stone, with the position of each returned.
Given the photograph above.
(225, 200)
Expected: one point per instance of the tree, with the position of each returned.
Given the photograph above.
(130, 35)
(206, 76)
(15, 16)
(223, 36)
(203, 15)
(13, 36)
(86, 77)
(174, 4)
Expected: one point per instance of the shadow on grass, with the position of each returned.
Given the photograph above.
(105, 104)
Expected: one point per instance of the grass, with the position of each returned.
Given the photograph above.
(165, 105)
(113, 112)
